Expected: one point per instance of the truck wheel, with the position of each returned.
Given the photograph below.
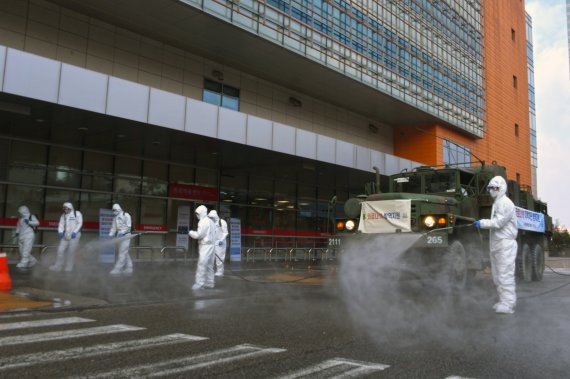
(456, 265)
(524, 264)
(537, 262)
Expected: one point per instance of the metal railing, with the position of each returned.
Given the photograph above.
(275, 250)
(294, 251)
(252, 251)
(323, 250)
(176, 249)
(47, 247)
(139, 248)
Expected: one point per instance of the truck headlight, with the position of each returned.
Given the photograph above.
(350, 225)
(429, 221)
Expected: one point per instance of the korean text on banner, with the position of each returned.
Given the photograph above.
(235, 240)
(529, 220)
(385, 216)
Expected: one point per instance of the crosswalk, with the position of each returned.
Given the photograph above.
(189, 365)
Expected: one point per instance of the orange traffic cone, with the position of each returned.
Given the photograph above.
(5, 281)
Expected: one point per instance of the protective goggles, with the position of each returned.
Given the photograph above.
(492, 188)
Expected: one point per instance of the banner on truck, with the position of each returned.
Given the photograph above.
(529, 220)
(385, 216)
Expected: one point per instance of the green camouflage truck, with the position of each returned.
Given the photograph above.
(439, 206)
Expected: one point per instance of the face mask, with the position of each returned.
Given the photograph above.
(67, 210)
(493, 191)
(116, 212)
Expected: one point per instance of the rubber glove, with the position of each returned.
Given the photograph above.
(73, 235)
(477, 224)
(26, 221)
(60, 235)
(119, 235)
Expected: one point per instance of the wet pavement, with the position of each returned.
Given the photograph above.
(152, 282)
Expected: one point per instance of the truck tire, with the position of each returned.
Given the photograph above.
(537, 262)
(524, 264)
(456, 266)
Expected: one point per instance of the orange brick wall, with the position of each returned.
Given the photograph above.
(506, 105)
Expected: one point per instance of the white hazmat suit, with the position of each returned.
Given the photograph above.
(503, 244)
(121, 229)
(25, 234)
(220, 245)
(69, 230)
(206, 236)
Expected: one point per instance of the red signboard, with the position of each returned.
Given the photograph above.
(87, 225)
(187, 191)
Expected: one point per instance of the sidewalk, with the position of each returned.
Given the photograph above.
(92, 286)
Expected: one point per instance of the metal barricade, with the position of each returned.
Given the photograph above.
(139, 248)
(323, 250)
(275, 250)
(294, 251)
(176, 248)
(252, 251)
(47, 247)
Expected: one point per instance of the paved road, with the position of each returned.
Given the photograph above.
(251, 326)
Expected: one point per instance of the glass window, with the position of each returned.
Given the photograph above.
(181, 174)
(54, 202)
(91, 203)
(128, 175)
(259, 218)
(260, 191)
(32, 197)
(221, 95)
(456, 154)
(97, 171)
(155, 178)
(27, 163)
(64, 168)
(307, 207)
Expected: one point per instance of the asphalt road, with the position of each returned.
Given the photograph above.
(279, 322)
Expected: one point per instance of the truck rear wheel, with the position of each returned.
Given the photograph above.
(456, 266)
(537, 262)
(524, 264)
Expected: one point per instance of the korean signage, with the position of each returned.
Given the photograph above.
(235, 240)
(187, 191)
(529, 220)
(183, 226)
(106, 250)
(385, 216)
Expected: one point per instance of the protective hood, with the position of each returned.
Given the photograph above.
(498, 181)
(117, 209)
(214, 216)
(201, 212)
(24, 211)
(68, 205)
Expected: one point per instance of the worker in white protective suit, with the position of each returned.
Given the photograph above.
(121, 228)
(206, 236)
(69, 231)
(25, 234)
(220, 244)
(503, 244)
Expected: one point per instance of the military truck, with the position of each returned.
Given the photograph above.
(439, 206)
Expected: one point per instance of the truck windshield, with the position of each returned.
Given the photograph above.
(440, 182)
(410, 183)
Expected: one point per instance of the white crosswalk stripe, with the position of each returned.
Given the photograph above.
(75, 333)
(92, 351)
(185, 364)
(337, 368)
(42, 323)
